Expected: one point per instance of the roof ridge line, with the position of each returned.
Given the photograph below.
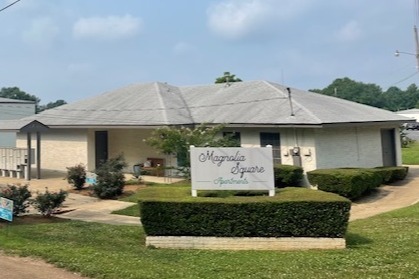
(293, 100)
(157, 85)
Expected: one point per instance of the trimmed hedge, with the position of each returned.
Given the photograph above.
(287, 175)
(397, 173)
(248, 216)
(354, 183)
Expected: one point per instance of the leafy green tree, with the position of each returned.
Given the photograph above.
(226, 78)
(177, 141)
(394, 98)
(412, 96)
(345, 88)
(17, 94)
(51, 105)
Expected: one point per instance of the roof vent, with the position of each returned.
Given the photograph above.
(289, 98)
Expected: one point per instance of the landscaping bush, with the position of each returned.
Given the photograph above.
(19, 195)
(349, 183)
(292, 213)
(76, 176)
(110, 178)
(397, 173)
(49, 202)
(287, 175)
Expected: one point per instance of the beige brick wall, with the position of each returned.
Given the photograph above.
(60, 148)
(245, 243)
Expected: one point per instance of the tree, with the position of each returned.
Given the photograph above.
(394, 98)
(345, 88)
(17, 94)
(226, 78)
(51, 105)
(168, 140)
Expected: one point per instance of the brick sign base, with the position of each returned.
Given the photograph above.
(245, 243)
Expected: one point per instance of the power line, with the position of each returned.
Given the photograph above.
(404, 79)
(2, 9)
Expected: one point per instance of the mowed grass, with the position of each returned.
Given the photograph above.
(385, 246)
(410, 155)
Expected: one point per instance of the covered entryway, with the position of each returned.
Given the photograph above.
(18, 160)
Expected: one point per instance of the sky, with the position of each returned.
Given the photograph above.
(74, 49)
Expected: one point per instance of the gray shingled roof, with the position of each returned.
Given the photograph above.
(243, 103)
(15, 101)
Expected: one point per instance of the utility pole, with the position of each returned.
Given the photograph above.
(415, 30)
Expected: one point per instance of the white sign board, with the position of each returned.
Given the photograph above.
(232, 168)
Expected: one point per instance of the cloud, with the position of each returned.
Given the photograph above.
(350, 32)
(238, 19)
(42, 32)
(107, 28)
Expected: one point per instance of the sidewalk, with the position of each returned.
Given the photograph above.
(80, 207)
(389, 197)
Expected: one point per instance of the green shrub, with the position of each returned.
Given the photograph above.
(293, 212)
(349, 183)
(397, 173)
(287, 175)
(110, 179)
(19, 195)
(49, 202)
(76, 176)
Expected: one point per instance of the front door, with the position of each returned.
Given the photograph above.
(101, 147)
(388, 146)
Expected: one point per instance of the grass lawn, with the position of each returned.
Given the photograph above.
(385, 246)
(410, 155)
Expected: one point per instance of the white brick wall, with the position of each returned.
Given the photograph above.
(245, 243)
(348, 147)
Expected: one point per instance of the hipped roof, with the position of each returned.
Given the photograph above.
(249, 103)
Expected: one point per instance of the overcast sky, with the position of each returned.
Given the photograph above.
(72, 49)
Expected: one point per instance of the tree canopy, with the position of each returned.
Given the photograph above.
(17, 94)
(51, 105)
(172, 140)
(393, 98)
(227, 77)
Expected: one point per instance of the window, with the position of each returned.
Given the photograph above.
(272, 139)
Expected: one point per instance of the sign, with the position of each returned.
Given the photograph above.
(91, 178)
(6, 209)
(232, 168)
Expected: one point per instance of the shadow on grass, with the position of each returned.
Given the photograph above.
(354, 240)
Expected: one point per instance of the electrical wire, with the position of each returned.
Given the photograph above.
(404, 79)
(8, 6)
